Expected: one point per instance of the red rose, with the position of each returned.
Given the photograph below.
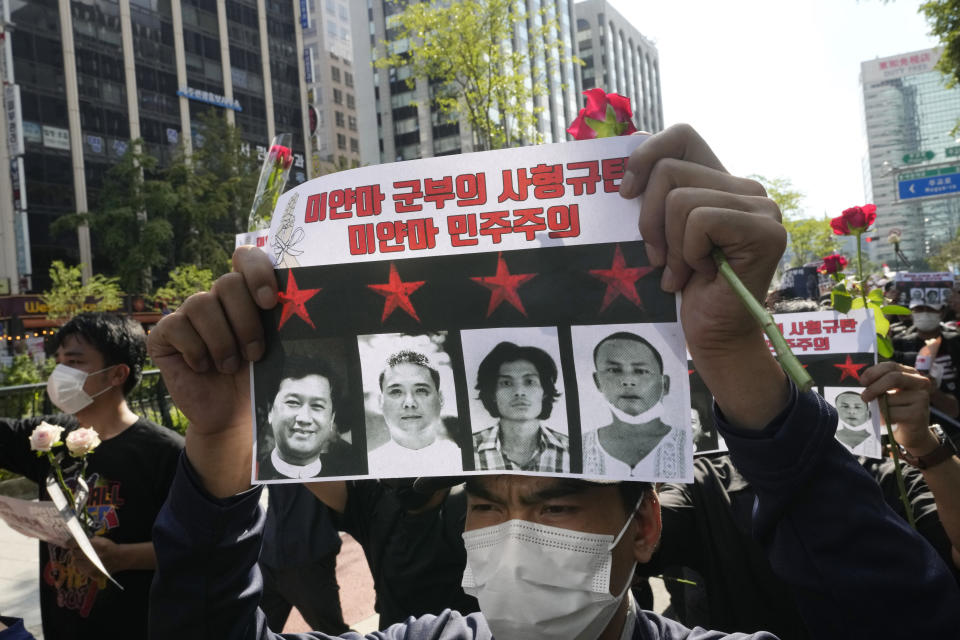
(282, 155)
(833, 263)
(606, 115)
(854, 221)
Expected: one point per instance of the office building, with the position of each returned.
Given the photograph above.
(618, 58)
(406, 128)
(913, 158)
(331, 86)
(95, 74)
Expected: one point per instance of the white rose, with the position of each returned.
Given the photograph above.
(45, 436)
(82, 441)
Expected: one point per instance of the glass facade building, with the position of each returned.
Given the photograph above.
(618, 58)
(94, 74)
(909, 118)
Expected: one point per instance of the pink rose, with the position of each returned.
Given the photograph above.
(45, 436)
(82, 441)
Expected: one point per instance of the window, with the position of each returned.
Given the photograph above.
(338, 116)
(348, 78)
(351, 103)
(352, 123)
(337, 96)
(335, 74)
(354, 145)
(341, 141)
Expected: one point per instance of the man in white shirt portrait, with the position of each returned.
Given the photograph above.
(855, 429)
(410, 401)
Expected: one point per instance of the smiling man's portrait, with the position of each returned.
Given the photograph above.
(301, 419)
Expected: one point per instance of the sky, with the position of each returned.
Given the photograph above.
(773, 85)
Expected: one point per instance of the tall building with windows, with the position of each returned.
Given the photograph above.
(331, 86)
(406, 128)
(912, 157)
(95, 74)
(618, 58)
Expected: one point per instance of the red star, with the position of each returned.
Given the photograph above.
(397, 293)
(294, 300)
(849, 369)
(504, 286)
(620, 280)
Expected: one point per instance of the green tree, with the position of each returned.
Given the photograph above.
(129, 221)
(943, 16)
(68, 296)
(214, 190)
(184, 281)
(810, 238)
(475, 65)
(947, 257)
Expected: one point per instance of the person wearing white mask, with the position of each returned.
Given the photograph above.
(636, 442)
(99, 359)
(934, 350)
(553, 558)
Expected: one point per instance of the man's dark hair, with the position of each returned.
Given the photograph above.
(626, 335)
(296, 367)
(119, 339)
(630, 493)
(411, 357)
(489, 373)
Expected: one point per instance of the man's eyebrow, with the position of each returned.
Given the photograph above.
(560, 489)
(479, 490)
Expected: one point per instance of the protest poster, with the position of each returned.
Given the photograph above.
(835, 349)
(929, 288)
(398, 282)
(34, 519)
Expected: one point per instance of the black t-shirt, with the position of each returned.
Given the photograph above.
(908, 343)
(129, 476)
(417, 560)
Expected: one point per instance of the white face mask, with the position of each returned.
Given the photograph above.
(926, 320)
(65, 388)
(534, 581)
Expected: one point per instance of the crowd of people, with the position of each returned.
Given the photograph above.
(789, 534)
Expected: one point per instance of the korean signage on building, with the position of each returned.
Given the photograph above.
(14, 120)
(56, 138)
(210, 98)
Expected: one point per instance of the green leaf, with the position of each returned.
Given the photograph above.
(880, 322)
(884, 346)
(875, 295)
(840, 287)
(840, 301)
(895, 310)
(857, 303)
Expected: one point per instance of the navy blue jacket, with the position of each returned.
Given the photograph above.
(858, 570)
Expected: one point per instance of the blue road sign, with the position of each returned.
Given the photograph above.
(940, 185)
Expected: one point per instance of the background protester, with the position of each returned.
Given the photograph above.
(99, 361)
(941, 360)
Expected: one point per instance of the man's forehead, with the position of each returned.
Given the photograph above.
(514, 367)
(313, 383)
(407, 372)
(623, 349)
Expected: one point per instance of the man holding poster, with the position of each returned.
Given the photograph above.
(585, 537)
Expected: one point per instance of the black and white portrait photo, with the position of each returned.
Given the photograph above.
(410, 405)
(516, 409)
(858, 428)
(916, 295)
(634, 402)
(303, 426)
(932, 297)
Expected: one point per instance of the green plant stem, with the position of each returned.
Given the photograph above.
(884, 407)
(56, 468)
(788, 361)
(901, 487)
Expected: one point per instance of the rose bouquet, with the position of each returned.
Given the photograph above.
(79, 443)
(273, 178)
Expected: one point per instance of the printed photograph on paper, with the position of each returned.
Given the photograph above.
(858, 426)
(518, 410)
(634, 401)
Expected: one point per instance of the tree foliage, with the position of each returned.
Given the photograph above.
(184, 281)
(475, 65)
(943, 16)
(149, 220)
(68, 296)
(947, 257)
(810, 238)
